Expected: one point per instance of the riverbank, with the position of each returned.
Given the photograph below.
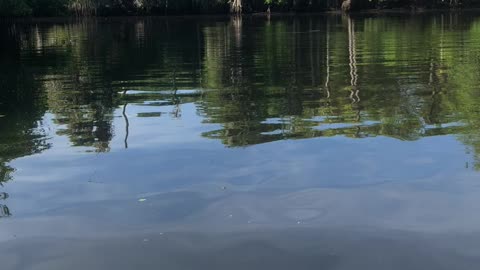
(368, 13)
(107, 8)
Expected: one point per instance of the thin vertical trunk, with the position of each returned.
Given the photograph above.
(236, 6)
(175, 100)
(127, 123)
(310, 38)
(353, 61)
(200, 58)
(236, 67)
(327, 80)
(347, 5)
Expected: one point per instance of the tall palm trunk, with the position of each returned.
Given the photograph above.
(236, 6)
(347, 5)
(351, 5)
(83, 7)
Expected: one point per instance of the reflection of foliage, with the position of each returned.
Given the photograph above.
(283, 95)
(21, 107)
(87, 121)
(4, 211)
(84, 112)
(5, 173)
(295, 77)
(82, 96)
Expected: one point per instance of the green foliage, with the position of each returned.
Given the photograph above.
(138, 7)
(48, 7)
(14, 8)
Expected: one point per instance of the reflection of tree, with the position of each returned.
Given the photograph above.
(327, 58)
(284, 79)
(86, 118)
(4, 210)
(83, 65)
(352, 52)
(21, 106)
(244, 109)
(256, 108)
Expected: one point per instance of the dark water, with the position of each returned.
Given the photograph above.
(309, 142)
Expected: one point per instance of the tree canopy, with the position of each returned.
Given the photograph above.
(162, 7)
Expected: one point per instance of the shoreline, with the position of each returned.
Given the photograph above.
(396, 11)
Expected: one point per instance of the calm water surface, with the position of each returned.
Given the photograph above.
(308, 142)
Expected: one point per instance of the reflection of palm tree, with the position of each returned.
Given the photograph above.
(354, 92)
(327, 80)
(236, 71)
(327, 61)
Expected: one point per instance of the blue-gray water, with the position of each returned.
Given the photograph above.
(295, 142)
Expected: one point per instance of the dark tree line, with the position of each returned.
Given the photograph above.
(165, 7)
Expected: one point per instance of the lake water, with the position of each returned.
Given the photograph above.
(289, 142)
